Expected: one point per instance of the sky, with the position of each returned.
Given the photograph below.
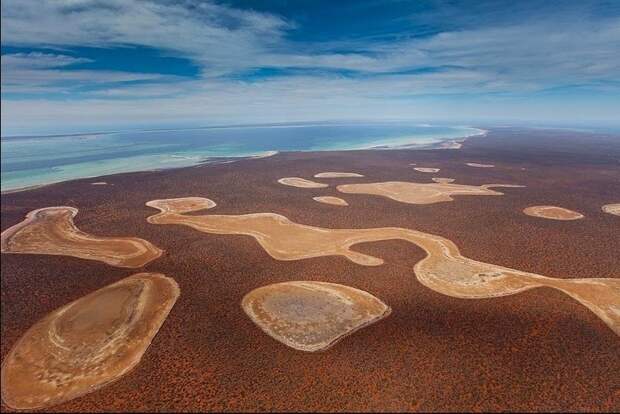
(94, 65)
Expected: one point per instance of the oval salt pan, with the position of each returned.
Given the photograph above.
(332, 174)
(426, 169)
(312, 316)
(301, 182)
(335, 201)
(553, 213)
(612, 209)
(88, 343)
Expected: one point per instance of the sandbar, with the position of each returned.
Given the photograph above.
(612, 209)
(312, 316)
(88, 343)
(553, 213)
(337, 175)
(265, 154)
(301, 182)
(51, 231)
(421, 193)
(426, 169)
(455, 144)
(335, 201)
(443, 269)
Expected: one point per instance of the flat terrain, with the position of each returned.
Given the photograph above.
(87, 343)
(552, 213)
(312, 316)
(335, 201)
(52, 231)
(536, 350)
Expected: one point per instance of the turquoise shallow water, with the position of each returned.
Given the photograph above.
(30, 161)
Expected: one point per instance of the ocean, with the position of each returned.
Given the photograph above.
(39, 160)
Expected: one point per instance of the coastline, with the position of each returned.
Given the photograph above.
(441, 143)
(445, 143)
(211, 160)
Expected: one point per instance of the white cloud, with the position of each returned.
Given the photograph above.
(222, 37)
(299, 99)
(45, 73)
(37, 60)
(554, 50)
(224, 40)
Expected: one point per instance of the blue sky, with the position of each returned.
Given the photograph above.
(83, 65)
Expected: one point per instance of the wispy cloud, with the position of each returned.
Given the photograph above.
(221, 37)
(46, 73)
(37, 60)
(490, 53)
